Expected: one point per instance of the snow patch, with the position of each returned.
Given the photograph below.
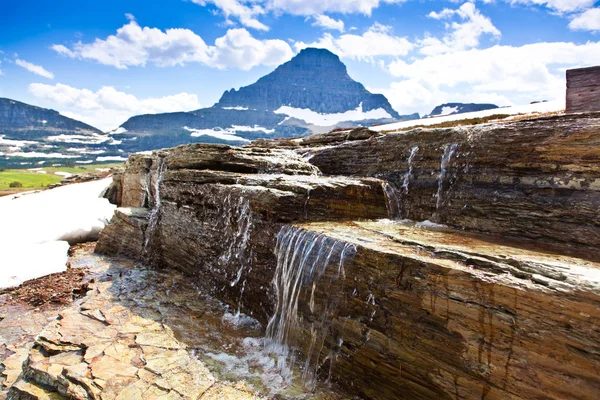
(449, 110)
(219, 133)
(118, 131)
(238, 108)
(548, 106)
(315, 118)
(81, 139)
(14, 143)
(85, 162)
(35, 154)
(36, 228)
(111, 158)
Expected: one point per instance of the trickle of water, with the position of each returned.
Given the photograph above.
(395, 198)
(409, 171)
(448, 153)
(239, 218)
(154, 215)
(303, 257)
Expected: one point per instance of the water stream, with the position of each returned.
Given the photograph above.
(396, 199)
(305, 261)
(449, 151)
(154, 216)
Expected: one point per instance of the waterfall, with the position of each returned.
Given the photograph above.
(395, 198)
(236, 233)
(154, 215)
(409, 171)
(448, 153)
(303, 258)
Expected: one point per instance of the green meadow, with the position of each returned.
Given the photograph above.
(16, 180)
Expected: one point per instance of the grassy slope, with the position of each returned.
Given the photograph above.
(33, 180)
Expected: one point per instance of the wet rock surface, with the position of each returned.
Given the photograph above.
(137, 334)
(537, 179)
(445, 315)
(289, 233)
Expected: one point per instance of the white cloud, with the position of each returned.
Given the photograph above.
(133, 45)
(506, 74)
(561, 6)
(317, 7)
(587, 21)
(376, 41)
(107, 108)
(328, 23)
(247, 11)
(36, 69)
(238, 48)
(459, 36)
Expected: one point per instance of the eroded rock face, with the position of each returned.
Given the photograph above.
(414, 312)
(425, 314)
(537, 178)
(220, 225)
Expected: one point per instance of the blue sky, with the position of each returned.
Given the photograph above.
(102, 62)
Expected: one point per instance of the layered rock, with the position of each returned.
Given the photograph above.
(385, 309)
(424, 314)
(536, 178)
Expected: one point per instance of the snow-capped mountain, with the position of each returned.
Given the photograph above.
(310, 93)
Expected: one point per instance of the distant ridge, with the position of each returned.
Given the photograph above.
(28, 122)
(459, 108)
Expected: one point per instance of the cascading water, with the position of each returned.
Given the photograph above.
(446, 157)
(236, 229)
(409, 171)
(154, 216)
(395, 198)
(305, 260)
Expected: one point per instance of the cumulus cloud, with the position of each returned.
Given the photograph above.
(508, 74)
(561, 6)
(326, 22)
(33, 68)
(459, 35)
(133, 45)
(247, 11)
(378, 40)
(586, 21)
(108, 107)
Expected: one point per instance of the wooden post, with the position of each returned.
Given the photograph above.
(583, 90)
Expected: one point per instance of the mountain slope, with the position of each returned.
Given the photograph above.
(315, 79)
(29, 121)
(310, 93)
(31, 135)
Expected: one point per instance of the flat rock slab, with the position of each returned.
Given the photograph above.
(137, 334)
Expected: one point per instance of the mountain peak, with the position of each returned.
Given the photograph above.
(314, 79)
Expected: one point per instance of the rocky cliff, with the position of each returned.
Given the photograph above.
(493, 293)
(315, 79)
